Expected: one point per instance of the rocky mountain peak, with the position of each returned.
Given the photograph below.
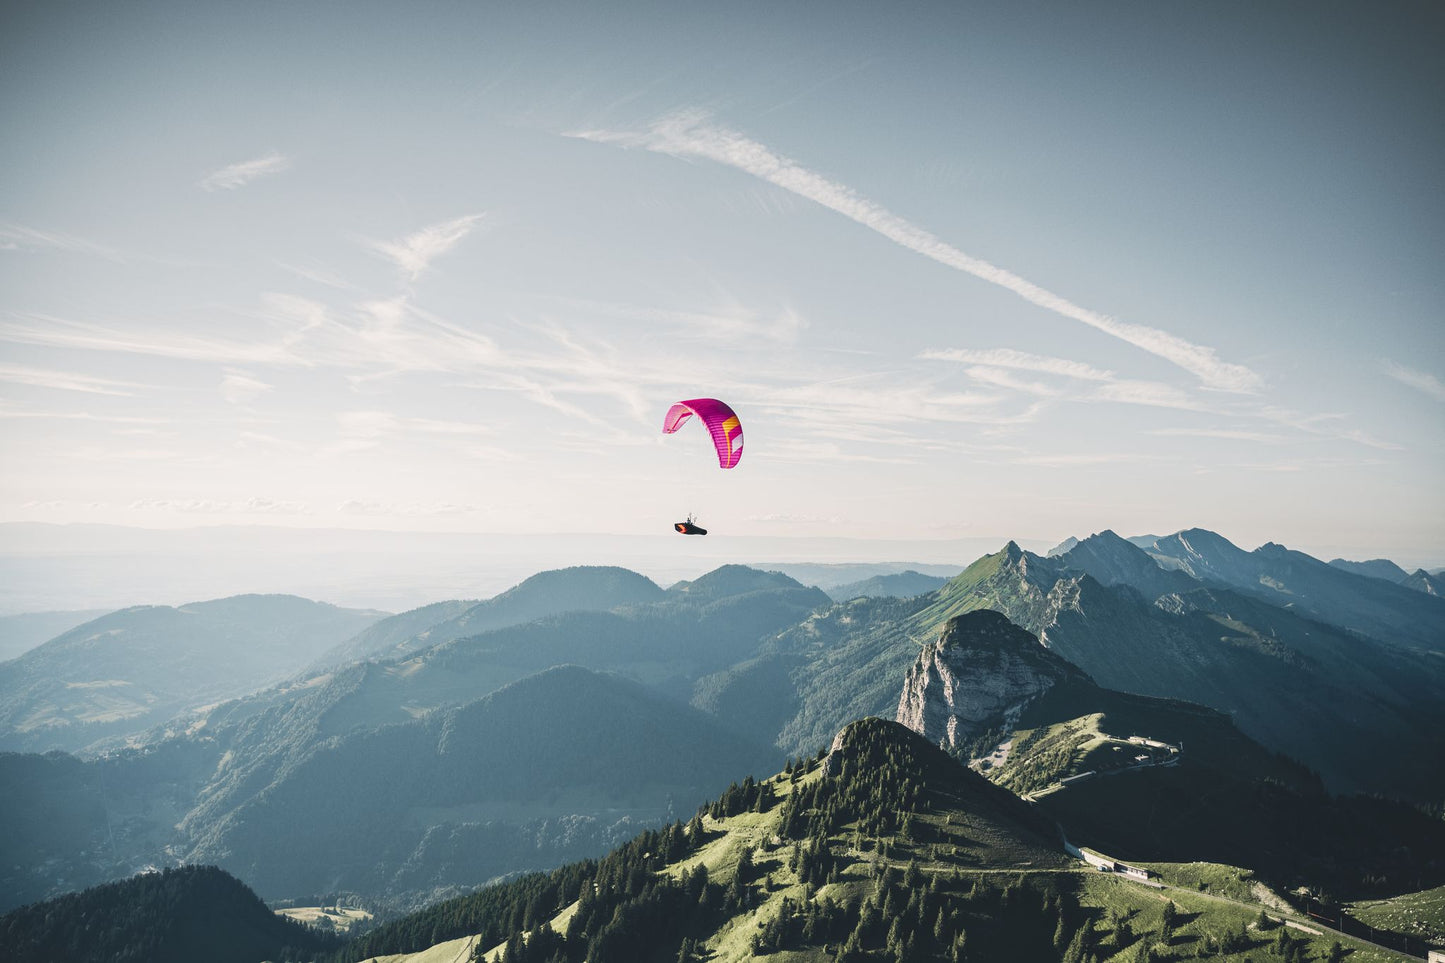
(981, 672)
(1064, 546)
(1112, 560)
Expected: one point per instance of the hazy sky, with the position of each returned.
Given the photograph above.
(1015, 269)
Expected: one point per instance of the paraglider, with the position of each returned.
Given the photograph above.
(688, 527)
(727, 437)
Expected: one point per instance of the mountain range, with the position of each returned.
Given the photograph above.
(1321, 694)
(1375, 607)
(426, 753)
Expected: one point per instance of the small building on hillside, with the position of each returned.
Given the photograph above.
(1134, 872)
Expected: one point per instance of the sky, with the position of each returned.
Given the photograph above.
(1023, 270)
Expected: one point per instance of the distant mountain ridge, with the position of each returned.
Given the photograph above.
(21, 633)
(897, 585)
(581, 588)
(1385, 611)
(120, 674)
(1382, 568)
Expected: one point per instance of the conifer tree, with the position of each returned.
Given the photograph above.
(913, 876)
(1075, 952)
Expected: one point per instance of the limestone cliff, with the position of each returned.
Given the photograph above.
(979, 676)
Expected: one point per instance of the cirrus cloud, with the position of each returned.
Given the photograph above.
(232, 176)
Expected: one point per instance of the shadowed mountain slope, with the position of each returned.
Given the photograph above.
(666, 644)
(566, 742)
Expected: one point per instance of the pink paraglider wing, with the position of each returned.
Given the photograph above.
(721, 422)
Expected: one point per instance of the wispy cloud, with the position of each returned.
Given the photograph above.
(1001, 378)
(66, 381)
(1022, 360)
(1151, 393)
(238, 388)
(317, 275)
(1077, 459)
(61, 333)
(826, 451)
(381, 336)
(356, 506)
(251, 439)
(413, 253)
(111, 456)
(1326, 424)
(689, 135)
(8, 410)
(991, 366)
(726, 324)
(18, 237)
(368, 429)
(1283, 467)
(774, 517)
(1361, 437)
(1419, 380)
(1232, 434)
(231, 177)
(255, 505)
(875, 400)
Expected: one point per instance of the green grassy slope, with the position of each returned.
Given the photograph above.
(1419, 917)
(890, 851)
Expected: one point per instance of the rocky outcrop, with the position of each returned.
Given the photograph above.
(980, 675)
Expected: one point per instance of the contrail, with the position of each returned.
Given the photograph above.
(689, 135)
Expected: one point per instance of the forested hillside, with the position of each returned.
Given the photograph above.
(170, 916)
(887, 850)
